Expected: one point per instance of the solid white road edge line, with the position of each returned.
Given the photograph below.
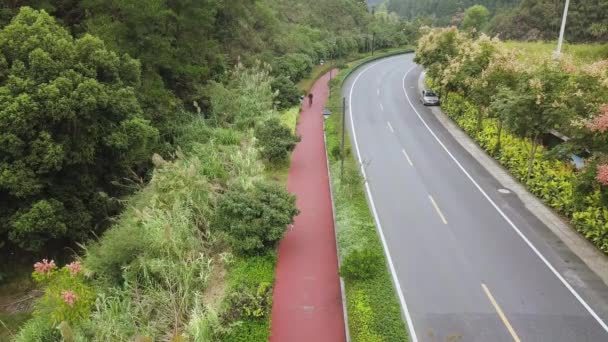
(504, 216)
(406, 312)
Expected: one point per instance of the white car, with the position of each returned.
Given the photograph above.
(429, 98)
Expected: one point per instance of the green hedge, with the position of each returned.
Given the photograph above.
(374, 313)
(552, 180)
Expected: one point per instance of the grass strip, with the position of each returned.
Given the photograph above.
(373, 310)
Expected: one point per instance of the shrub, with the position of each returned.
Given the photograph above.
(119, 246)
(66, 295)
(293, 65)
(275, 141)
(38, 329)
(288, 94)
(255, 218)
(361, 264)
(245, 303)
(225, 136)
(206, 325)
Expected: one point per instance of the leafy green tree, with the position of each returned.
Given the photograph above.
(475, 18)
(287, 93)
(174, 42)
(275, 141)
(295, 66)
(255, 219)
(499, 71)
(437, 47)
(70, 125)
(535, 106)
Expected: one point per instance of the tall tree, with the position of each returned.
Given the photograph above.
(475, 18)
(70, 125)
(535, 106)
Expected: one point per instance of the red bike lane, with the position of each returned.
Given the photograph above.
(307, 300)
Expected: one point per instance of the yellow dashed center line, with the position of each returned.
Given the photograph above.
(501, 314)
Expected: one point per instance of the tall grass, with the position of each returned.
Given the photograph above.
(581, 53)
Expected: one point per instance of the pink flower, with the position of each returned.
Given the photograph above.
(600, 122)
(69, 297)
(44, 267)
(602, 174)
(75, 267)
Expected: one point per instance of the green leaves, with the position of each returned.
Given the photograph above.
(475, 17)
(256, 218)
(70, 124)
(275, 141)
(34, 225)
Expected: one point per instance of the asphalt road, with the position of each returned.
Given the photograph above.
(471, 263)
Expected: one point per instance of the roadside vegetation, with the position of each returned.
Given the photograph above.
(521, 20)
(135, 160)
(580, 54)
(373, 310)
(509, 104)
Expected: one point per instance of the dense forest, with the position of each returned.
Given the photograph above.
(540, 20)
(91, 91)
(442, 12)
(516, 19)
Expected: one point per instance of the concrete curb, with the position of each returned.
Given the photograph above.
(581, 247)
(333, 211)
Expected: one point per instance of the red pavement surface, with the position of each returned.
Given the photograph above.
(307, 303)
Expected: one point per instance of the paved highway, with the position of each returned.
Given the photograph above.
(470, 263)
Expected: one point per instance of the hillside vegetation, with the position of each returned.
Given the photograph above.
(109, 83)
(528, 20)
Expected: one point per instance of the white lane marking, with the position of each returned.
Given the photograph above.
(407, 157)
(501, 314)
(377, 91)
(381, 107)
(504, 216)
(438, 210)
(390, 127)
(406, 312)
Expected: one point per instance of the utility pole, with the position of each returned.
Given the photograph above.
(373, 35)
(331, 66)
(561, 31)
(343, 127)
